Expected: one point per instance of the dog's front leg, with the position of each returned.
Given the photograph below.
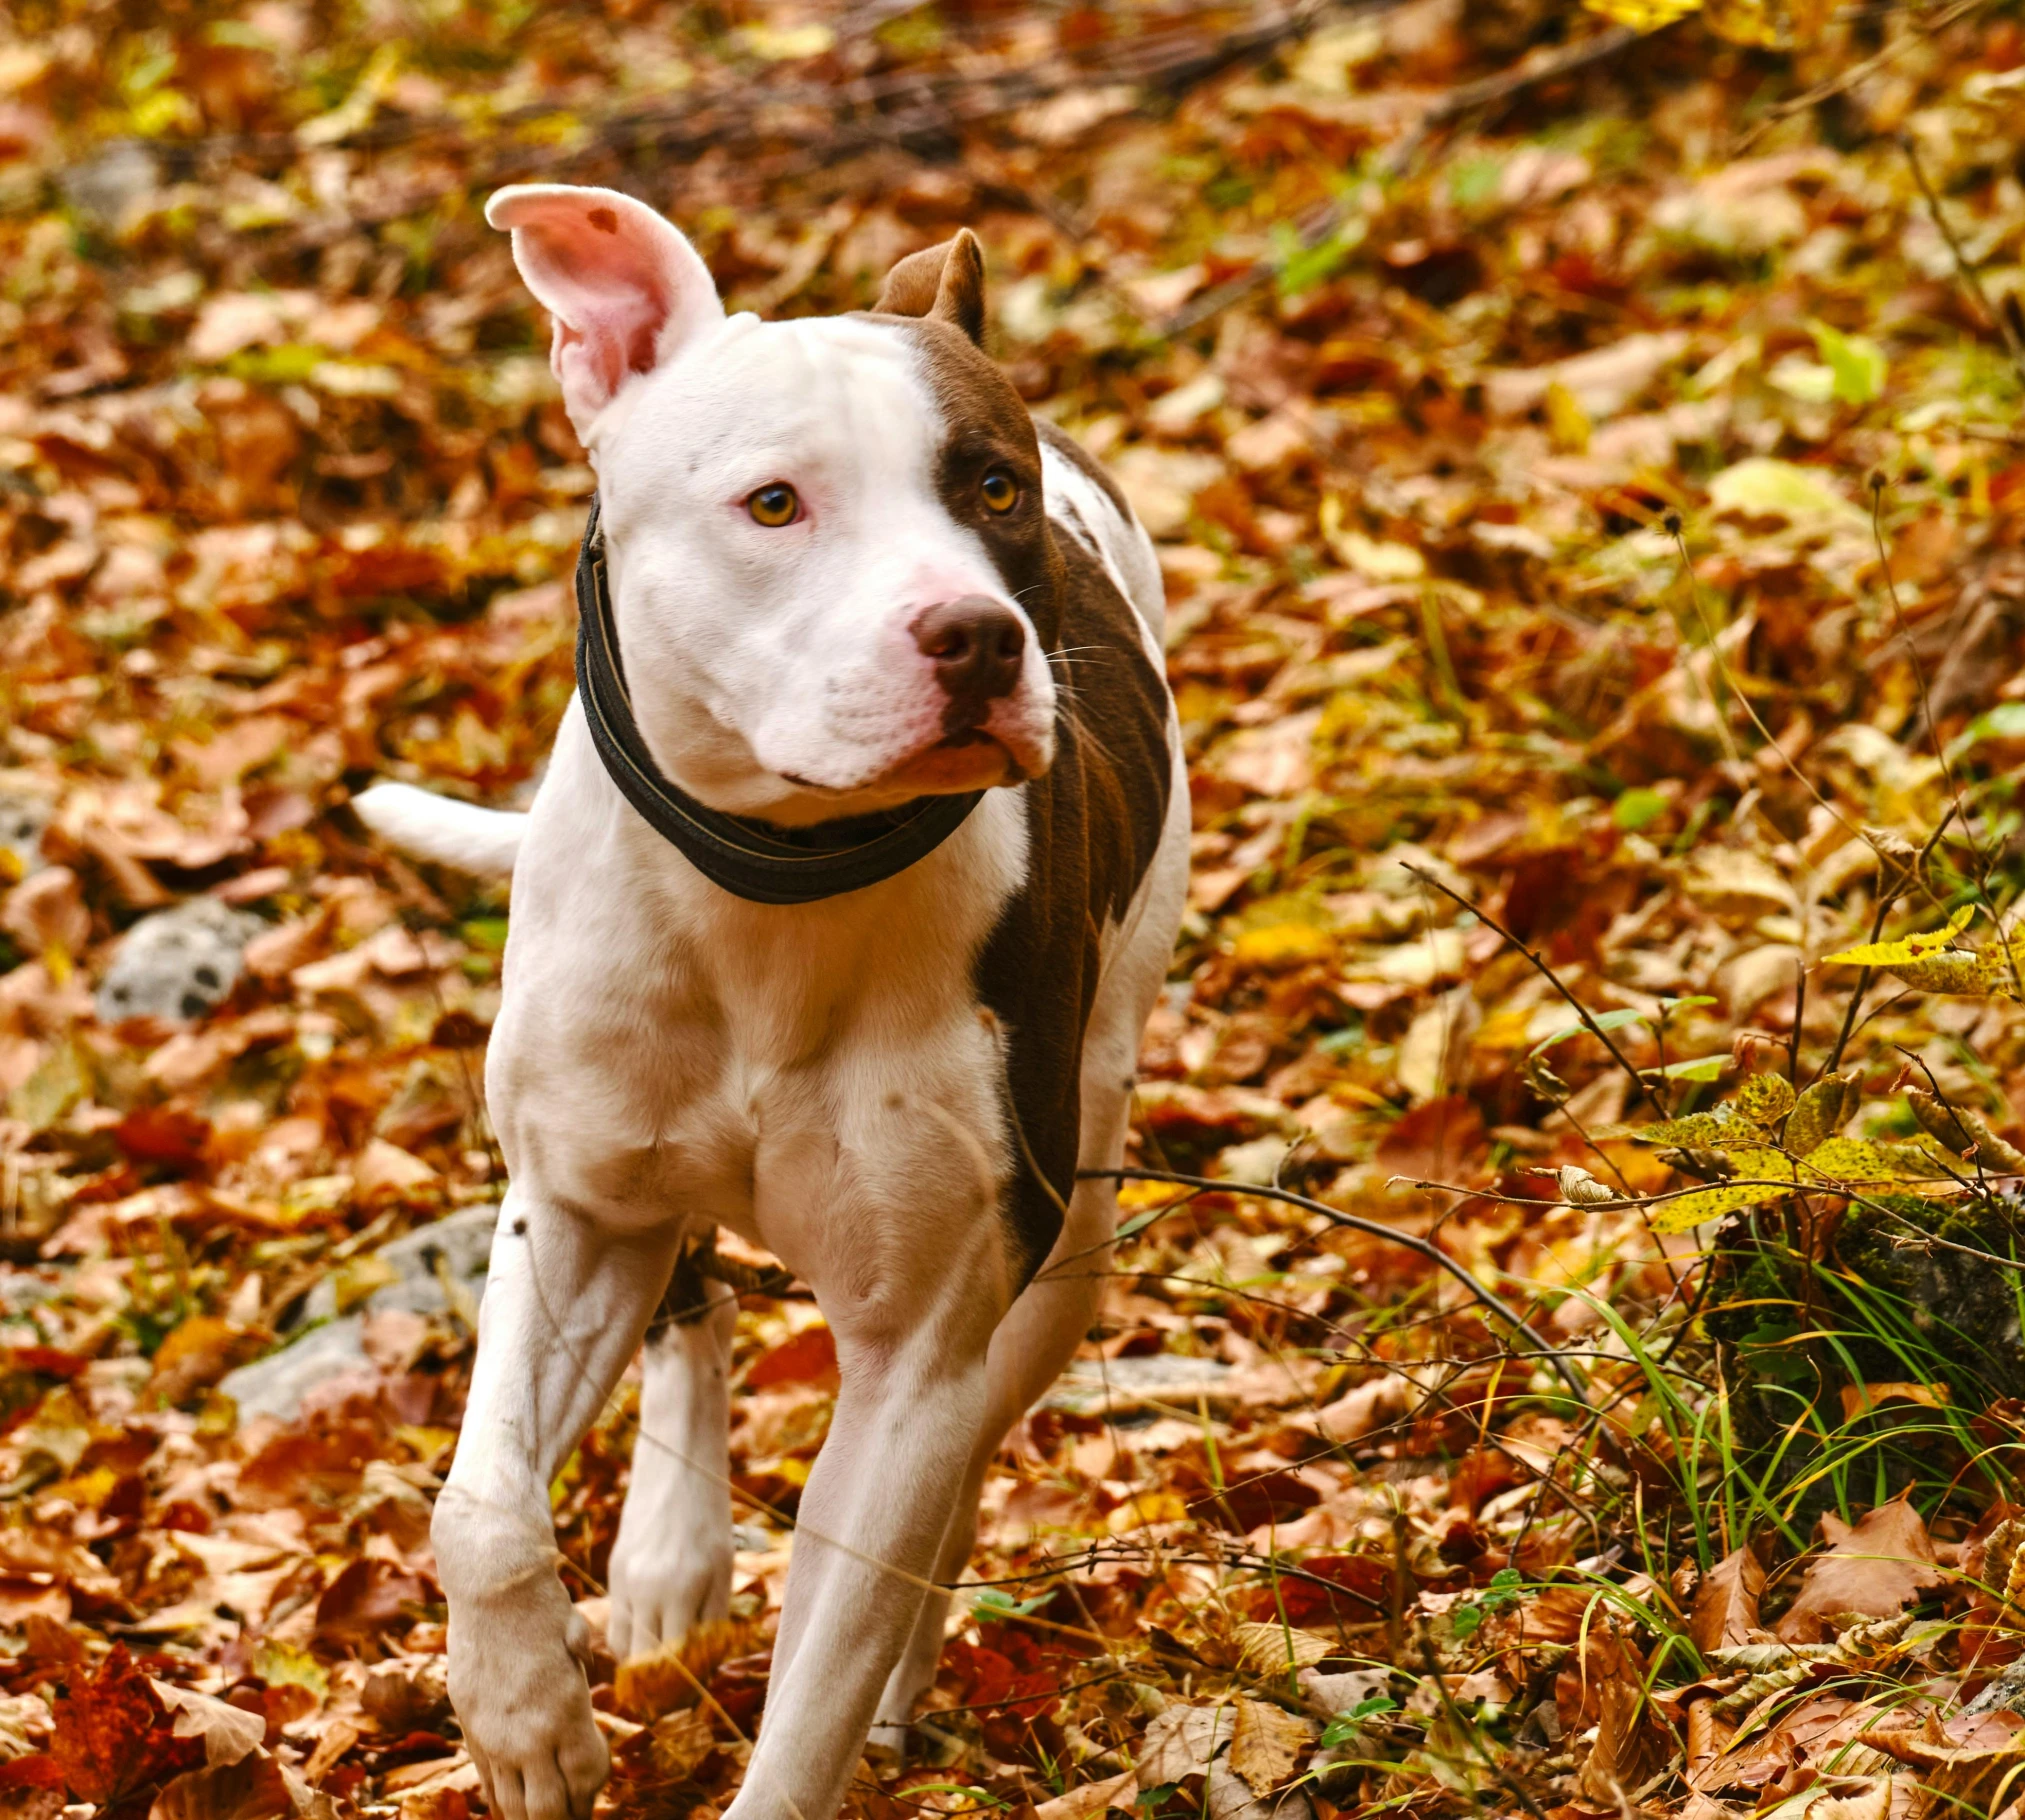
(565, 1304)
(869, 1530)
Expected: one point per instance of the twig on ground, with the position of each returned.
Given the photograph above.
(1356, 1223)
(1844, 80)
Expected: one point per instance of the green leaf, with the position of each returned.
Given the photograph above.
(1636, 810)
(994, 1602)
(1140, 1221)
(1604, 1020)
(1699, 1068)
(1765, 488)
(1857, 362)
(1908, 949)
(2005, 721)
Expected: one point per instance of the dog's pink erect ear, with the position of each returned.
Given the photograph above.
(626, 290)
(945, 282)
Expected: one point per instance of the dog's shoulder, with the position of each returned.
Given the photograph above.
(1094, 824)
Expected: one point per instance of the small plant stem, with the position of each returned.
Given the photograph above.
(1547, 973)
(1886, 894)
(1972, 280)
(1884, 903)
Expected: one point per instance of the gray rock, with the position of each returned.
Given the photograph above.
(331, 1343)
(463, 1241)
(1090, 1385)
(106, 185)
(177, 964)
(22, 819)
(276, 1385)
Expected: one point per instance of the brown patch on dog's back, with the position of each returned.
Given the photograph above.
(1094, 821)
(603, 220)
(1093, 826)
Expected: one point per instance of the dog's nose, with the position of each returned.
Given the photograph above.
(976, 645)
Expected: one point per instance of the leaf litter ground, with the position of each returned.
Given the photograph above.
(1589, 474)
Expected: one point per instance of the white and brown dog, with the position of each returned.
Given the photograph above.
(836, 921)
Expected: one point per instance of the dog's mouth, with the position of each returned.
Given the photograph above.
(967, 759)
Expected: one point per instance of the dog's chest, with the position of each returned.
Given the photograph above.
(681, 1051)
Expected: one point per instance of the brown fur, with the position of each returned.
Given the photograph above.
(1094, 820)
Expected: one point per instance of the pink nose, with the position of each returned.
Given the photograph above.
(976, 645)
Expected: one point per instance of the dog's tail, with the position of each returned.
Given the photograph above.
(428, 826)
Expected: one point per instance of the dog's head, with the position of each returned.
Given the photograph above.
(830, 559)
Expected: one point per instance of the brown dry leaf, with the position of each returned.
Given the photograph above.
(1971, 1763)
(1871, 1571)
(1628, 1746)
(1274, 1649)
(108, 1736)
(229, 1732)
(672, 1676)
(255, 1787)
(680, 1740)
(1726, 1603)
(1091, 1798)
(1266, 1744)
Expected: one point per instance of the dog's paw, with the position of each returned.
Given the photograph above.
(517, 1684)
(657, 1601)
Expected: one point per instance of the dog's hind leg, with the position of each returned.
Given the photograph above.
(566, 1301)
(671, 1563)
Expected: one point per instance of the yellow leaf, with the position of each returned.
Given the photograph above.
(1764, 1099)
(1642, 15)
(1144, 1508)
(1762, 1175)
(1842, 1159)
(1911, 948)
(1966, 975)
(1778, 25)
(1271, 1649)
(1283, 944)
(1822, 1111)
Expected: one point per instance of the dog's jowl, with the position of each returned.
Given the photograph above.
(835, 923)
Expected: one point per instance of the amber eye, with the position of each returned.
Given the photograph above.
(1001, 492)
(775, 505)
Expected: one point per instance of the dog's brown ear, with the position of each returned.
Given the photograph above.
(945, 282)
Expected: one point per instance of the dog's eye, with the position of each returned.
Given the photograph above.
(775, 505)
(1001, 492)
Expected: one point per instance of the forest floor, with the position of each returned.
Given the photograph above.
(1589, 473)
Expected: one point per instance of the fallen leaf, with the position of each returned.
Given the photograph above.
(1869, 1571)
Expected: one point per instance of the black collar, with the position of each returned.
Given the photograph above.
(750, 859)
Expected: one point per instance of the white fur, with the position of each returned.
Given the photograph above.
(442, 829)
(816, 1078)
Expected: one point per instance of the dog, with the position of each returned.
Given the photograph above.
(837, 919)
